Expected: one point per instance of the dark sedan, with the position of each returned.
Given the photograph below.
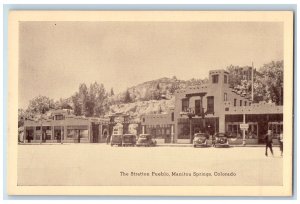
(145, 140)
(200, 140)
(220, 140)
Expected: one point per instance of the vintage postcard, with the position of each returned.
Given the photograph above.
(153, 103)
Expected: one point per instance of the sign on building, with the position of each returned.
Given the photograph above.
(244, 126)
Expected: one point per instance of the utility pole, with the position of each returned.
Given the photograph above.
(252, 76)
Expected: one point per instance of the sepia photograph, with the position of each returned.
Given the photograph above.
(151, 103)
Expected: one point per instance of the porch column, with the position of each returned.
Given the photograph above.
(24, 134)
(52, 132)
(143, 129)
(100, 132)
(65, 133)
(172, 134)
(244, 130)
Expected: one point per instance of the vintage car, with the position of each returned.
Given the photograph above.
(145, 140)
(220, 140)
(116, 140)
(200, 140)
(128, 140)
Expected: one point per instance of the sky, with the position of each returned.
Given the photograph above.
(55, 57)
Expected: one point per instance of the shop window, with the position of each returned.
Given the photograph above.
(84, 133)
(48, 136)
(38, 128)
(210, 104)
(168, 131)
(70, 133)
(225, 79)
(38, 137)
(252, 132)
(215, 79)
(185, 104)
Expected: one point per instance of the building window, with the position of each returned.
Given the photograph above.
(249, 103)
(241, 103)
(225, 79)
(245, 103)
(215, 79)
(198, 107)
(59, 117)
(143, 119)
(210, 104)
(172, 116)
(185, 104)
(38, 128)
(234, 102)
(225, 96)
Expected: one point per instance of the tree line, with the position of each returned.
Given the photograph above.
(267, 82)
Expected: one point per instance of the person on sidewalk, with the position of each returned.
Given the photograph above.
(280, 139)
(268, 139)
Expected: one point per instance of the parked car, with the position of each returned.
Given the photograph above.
(200, 140)
(145, 140)
(116, 140)
(220, 140)
(128, 140)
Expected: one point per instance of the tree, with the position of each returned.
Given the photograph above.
(40, 105)
(62, 104)
(235, 77)
(100, 99)
(273, 81)
(83, 97)
(112, 92)
(21, 117)
(127, 98)
(77, 106)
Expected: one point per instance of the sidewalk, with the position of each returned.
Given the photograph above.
(159, 145)
(191, 145)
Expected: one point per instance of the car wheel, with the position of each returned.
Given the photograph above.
(194, 146)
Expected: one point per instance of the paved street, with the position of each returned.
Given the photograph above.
(100, 164)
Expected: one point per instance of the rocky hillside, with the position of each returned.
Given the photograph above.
(136, 109)
(158, 89)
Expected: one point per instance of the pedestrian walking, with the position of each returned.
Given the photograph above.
(281, 143)
(268, 139)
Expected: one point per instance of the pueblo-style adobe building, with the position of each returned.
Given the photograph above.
(215, 107)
